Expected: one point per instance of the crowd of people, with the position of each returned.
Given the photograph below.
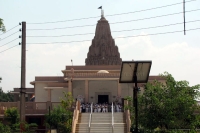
(104, 107)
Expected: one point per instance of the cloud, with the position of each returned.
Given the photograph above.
(178, 58)
(41, 60)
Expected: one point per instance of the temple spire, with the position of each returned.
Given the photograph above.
(103, 50)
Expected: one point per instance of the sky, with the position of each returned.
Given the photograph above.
(175, 53)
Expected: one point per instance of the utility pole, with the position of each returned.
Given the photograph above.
(184, 15)
(23, 73)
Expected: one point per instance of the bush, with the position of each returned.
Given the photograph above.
(4, 128)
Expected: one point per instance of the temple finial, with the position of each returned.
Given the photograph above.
(102, 12)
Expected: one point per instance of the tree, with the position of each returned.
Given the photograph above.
(6, 97)
(67, 101)
(12, 116)
(169, 105)
(4, 128)
(61, 116)
(58, 119)
(2, 27)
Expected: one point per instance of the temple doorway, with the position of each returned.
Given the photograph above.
(103, 99)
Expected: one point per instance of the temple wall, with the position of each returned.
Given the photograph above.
(102, 87)
(78, 88)
(126, 90)
(56, 94)
(41, 95)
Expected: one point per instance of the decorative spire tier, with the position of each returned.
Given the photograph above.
(103, 50)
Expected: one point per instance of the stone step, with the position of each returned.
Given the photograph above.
(101, 123)
(105, 129)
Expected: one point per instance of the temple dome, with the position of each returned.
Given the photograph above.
(102, 71)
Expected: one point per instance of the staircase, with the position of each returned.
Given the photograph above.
(82, 125)
(101, 123)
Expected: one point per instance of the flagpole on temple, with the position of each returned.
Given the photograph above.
(102, 15)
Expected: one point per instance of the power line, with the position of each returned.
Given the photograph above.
(151, 8)
(113, 14)
(10, 29)
(8, 48)
(9, 36)
(120, 21)
(8, 42)
(119, 30)
(154, 17)
(64, 27)
(119, 37)
(158, 33)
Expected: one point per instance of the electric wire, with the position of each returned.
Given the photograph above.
(9, 30)
(120, 21)
(155, 16)
(120, 30)
(113, 14)
(8, 48)
(114, 38)
(119, 37)
(158, 33)
(8, 42)
(9, 35)
(151, 8)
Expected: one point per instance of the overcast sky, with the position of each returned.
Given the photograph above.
(175, 53)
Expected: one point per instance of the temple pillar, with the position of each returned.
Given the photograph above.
(49, 95)
(69, 86)
(118, 88)
(86, 91)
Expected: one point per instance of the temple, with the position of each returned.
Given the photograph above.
(97, 81)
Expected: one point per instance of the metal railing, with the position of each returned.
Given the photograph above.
(90, 118)
(112, 119)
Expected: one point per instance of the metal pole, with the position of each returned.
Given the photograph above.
(184, 15)
(50, 118)
(136, 104)
(135, 98)
(23, 73)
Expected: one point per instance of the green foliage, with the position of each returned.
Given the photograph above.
(24, 127)
(130, 107)
(12, 115)
(6, 97)
(59, 118)
(2, 27)
(4, 128)
(169, 105)
(67, 101)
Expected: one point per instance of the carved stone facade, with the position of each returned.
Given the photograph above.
(103, 50)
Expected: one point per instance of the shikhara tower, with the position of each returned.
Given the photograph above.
(103, 50)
